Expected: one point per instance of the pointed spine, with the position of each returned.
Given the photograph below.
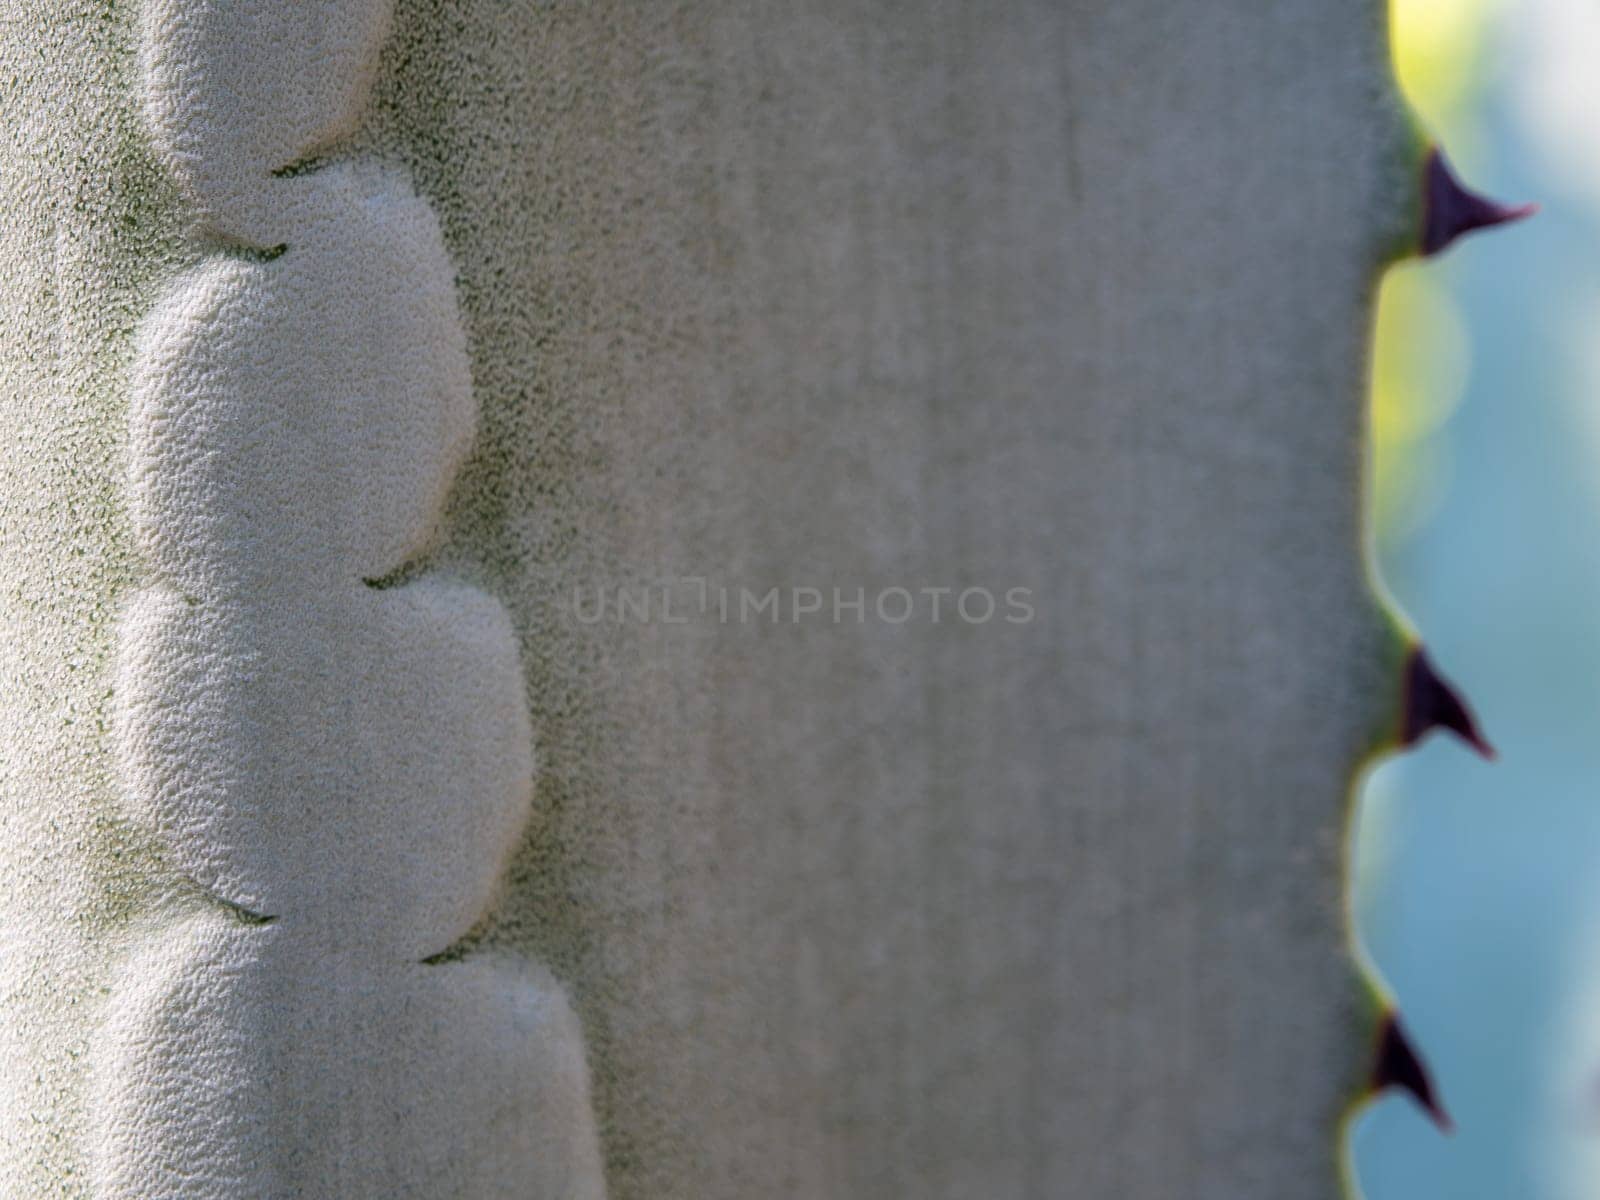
(1432, 702)
(1451, 210)
(1396, 1066)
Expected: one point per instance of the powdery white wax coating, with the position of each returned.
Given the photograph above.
(357, 764)
(237, 89)
(236, 1064)
(286, 435)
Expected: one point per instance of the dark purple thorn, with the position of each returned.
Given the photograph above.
(1395, 1065)
(1450, 209)
(1431, 702)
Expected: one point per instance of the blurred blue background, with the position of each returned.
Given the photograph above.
(1477, 890)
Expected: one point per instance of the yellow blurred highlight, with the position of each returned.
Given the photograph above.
(1421, 359)
(1421, 354)
(1438, 52)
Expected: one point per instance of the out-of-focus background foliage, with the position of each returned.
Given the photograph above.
(1478, 886)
